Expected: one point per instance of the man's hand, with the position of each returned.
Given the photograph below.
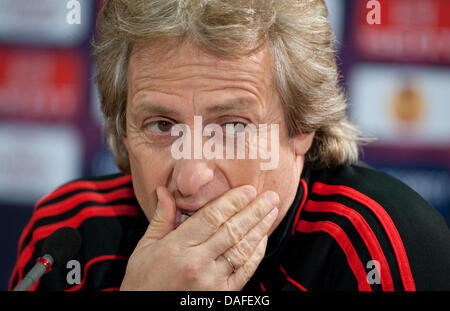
(193, 257)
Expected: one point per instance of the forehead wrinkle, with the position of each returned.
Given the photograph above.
(154, 108)
(248, 82)
(248, 73)
(165, 67)
(234, 105)
(227, 105)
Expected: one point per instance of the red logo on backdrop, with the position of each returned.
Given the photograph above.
(409, 30)
(40, 84)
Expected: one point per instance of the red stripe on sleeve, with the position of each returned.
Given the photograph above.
(291, 280)
(73, 201)
(111, 289)
(364, 230)
(386, 222)
(83, 184)
(262, 287)
(344, 242)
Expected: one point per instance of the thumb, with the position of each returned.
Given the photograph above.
(163, 220)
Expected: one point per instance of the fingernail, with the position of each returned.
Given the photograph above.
(272, 197)
(249, 192)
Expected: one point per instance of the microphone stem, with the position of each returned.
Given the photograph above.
(38, 270)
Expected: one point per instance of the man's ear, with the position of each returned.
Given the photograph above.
(302, 143)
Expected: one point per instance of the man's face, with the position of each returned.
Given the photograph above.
(173, 89)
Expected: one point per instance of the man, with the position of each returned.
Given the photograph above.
(317, 219)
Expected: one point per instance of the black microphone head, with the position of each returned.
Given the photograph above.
(62, 245)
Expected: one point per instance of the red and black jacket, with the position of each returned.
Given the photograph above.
(349, 228)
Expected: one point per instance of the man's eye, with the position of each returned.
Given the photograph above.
(160, 126)
(234, 127)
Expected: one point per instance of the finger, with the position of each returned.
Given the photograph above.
(233, 231)
(163, 220)
(226, 265)
(240, 277)
(242, 251)
(208, 219)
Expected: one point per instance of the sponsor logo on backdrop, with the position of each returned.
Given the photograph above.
(401, 105)
(402, 30)
(41, 84)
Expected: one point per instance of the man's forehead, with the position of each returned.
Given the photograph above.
(189, 70)
(154, 59)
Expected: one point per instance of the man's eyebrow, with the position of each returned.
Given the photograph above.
(229, 105)
(222, 107)
(152, 108)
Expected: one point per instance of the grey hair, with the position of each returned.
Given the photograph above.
(299, 38)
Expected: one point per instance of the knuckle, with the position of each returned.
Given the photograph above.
(236, 200)
(243, 249)
(261, 228)
(213, 216)
(240, 253)
(260, 210)
(235, 258)
(234, 232)
(262, 207)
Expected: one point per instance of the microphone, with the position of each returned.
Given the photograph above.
(58, 248)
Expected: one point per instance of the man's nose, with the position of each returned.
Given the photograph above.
(191, 175)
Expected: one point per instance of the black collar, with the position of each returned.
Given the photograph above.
(278, 240)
